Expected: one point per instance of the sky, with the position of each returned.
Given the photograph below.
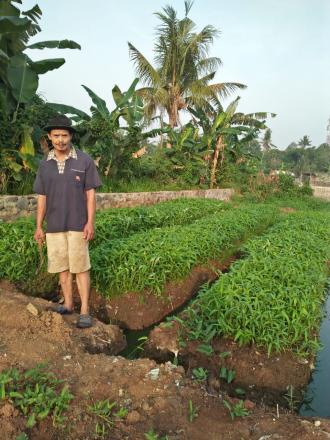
(278, 48)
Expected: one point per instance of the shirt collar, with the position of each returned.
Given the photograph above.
(72, 153)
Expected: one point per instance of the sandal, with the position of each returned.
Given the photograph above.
(62, 310)
(84, 321)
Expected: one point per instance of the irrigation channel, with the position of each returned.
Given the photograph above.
(317, 397)
(316, 401)
(136, 338)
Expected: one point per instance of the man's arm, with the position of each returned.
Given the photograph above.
(91, 208)
(39, 234)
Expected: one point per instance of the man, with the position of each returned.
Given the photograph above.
(65, 184)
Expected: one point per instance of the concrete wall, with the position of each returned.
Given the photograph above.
(12, 207)
(322, 192)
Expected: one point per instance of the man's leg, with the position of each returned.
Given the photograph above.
(66, 284)
(83, 283)
(58, 262)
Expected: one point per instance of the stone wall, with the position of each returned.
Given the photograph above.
(12, 207)
(323, 192)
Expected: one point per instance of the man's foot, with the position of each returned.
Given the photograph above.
(84, 321)
(63, 310)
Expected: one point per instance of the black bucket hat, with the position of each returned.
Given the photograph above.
(60, 122)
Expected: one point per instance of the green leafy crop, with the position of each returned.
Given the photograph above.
(37, 393)
(149, 259)
(273, 296)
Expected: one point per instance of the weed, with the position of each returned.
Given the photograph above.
(200, 374)
(107, 414)
(237, 409)
(138, 348)
(151, 435)
(292, 399)
(36, 393)
(192, 411)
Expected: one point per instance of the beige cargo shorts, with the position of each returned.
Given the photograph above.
(67, 251)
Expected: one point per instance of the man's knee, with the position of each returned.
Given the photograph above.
(65, 276)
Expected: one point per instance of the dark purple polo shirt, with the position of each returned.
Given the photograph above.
(66, 208)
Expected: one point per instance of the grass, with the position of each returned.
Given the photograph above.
(273, 296)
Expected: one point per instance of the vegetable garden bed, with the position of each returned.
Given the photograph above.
(170, 263)
(261, 319)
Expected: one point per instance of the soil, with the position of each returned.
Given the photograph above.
(157, 396)
(138, 311)
(264, 378)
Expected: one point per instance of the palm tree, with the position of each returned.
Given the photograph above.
(183, 70)
(304, 142)
(266, 142)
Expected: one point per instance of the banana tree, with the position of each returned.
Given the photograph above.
(222, 127)
(19, 78)
(187, 153)
(112, 137)
(19, 74)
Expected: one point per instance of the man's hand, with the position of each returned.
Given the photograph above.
(88, 232)
(39, 236)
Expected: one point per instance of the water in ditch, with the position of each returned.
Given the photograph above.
(317, 397)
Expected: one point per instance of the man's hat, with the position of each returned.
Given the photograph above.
(60, 122)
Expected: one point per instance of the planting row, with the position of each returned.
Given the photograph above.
(148, 260)
(273, 296)
(19, 256)
(122, 222)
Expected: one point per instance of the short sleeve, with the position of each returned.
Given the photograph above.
(92, 178)
(38, 186)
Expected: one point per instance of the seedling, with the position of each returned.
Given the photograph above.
(192, 411)
(151, 435)
(106, 414)
(240, 391)
(199, 374)
(22, 436)
(237, 409)
(36, 393)
(227, 375)
(224, 354)
(205, 349)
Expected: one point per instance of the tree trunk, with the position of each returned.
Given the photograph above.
(219, 146)
(173, 115)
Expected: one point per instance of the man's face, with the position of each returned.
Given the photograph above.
(61, 139)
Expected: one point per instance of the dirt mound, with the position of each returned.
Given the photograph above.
(263, 377)
(159, 398)
(34, 334)
(138, 311)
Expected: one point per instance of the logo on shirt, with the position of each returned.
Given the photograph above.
(78, 178)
